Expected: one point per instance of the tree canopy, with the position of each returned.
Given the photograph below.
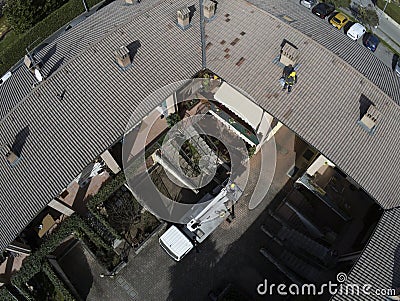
(23, 14)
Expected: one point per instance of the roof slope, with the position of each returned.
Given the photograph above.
(62, 137)
(323, 107)
(65, 47)
(362, 59)
(379, 264)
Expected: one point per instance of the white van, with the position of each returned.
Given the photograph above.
(356, 31)
(175, 243)
(5, 77)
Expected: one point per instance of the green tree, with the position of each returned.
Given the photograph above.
(23, 14)
(20, 14)
(368, 16)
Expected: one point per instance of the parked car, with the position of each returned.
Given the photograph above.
(308, 3)
(397, 68)
(370, 41)
(356, 31)
(323, 10)
(339, 20)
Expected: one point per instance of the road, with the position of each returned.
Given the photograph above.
(382, 52)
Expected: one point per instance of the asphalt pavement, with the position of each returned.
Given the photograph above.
(392, 36)
(388, 29)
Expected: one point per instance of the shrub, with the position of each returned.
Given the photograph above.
(368, 16)
(173, 119)
(102, 196)
(34, 263)
(5, 295)
(57, 283)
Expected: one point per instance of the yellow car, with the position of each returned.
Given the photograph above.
(339, 20)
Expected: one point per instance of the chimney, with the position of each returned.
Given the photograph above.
(122, 57)
(129, 1)
(370, 119)
(209, 9)
(289, 55)
(28, 62)
(183, 17)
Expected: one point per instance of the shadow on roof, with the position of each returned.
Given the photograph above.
(192, 10)
(20, 140)
(49, 54)
(56, 66)
(365, 103)
(133, 49)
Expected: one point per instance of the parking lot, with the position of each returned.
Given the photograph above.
(382, 52)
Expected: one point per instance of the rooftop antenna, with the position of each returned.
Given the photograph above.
(30, 55)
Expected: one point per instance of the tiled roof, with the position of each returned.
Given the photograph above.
(379, 264)
(362, 59)
(323, 107)
(63, 136)
(66, 47)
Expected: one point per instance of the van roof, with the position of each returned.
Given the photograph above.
(176, 241)
(357, 27)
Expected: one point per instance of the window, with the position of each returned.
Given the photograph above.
(308, 154)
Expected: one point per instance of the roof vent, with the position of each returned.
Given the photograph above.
(289, 54)
(209, 9)
(370, 119)
(122, 57)
(12, 157)
(183, 16)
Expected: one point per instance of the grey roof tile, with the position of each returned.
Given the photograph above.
(324, 106)
(99, 100)
(378, 265)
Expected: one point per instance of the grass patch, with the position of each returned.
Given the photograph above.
(388, 46)
(12, 47)
(392, 9)
(4, 27)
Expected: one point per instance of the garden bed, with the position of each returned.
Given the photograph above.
(128, 217)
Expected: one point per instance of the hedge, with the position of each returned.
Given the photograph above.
(34, 263)
(5, 295)
(59, 18)
(101, 196)
(57, 283)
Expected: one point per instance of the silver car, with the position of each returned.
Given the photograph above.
(397, 68)
(308, 3)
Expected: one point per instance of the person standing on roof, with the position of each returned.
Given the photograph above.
(290, 80)
(287, 70)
